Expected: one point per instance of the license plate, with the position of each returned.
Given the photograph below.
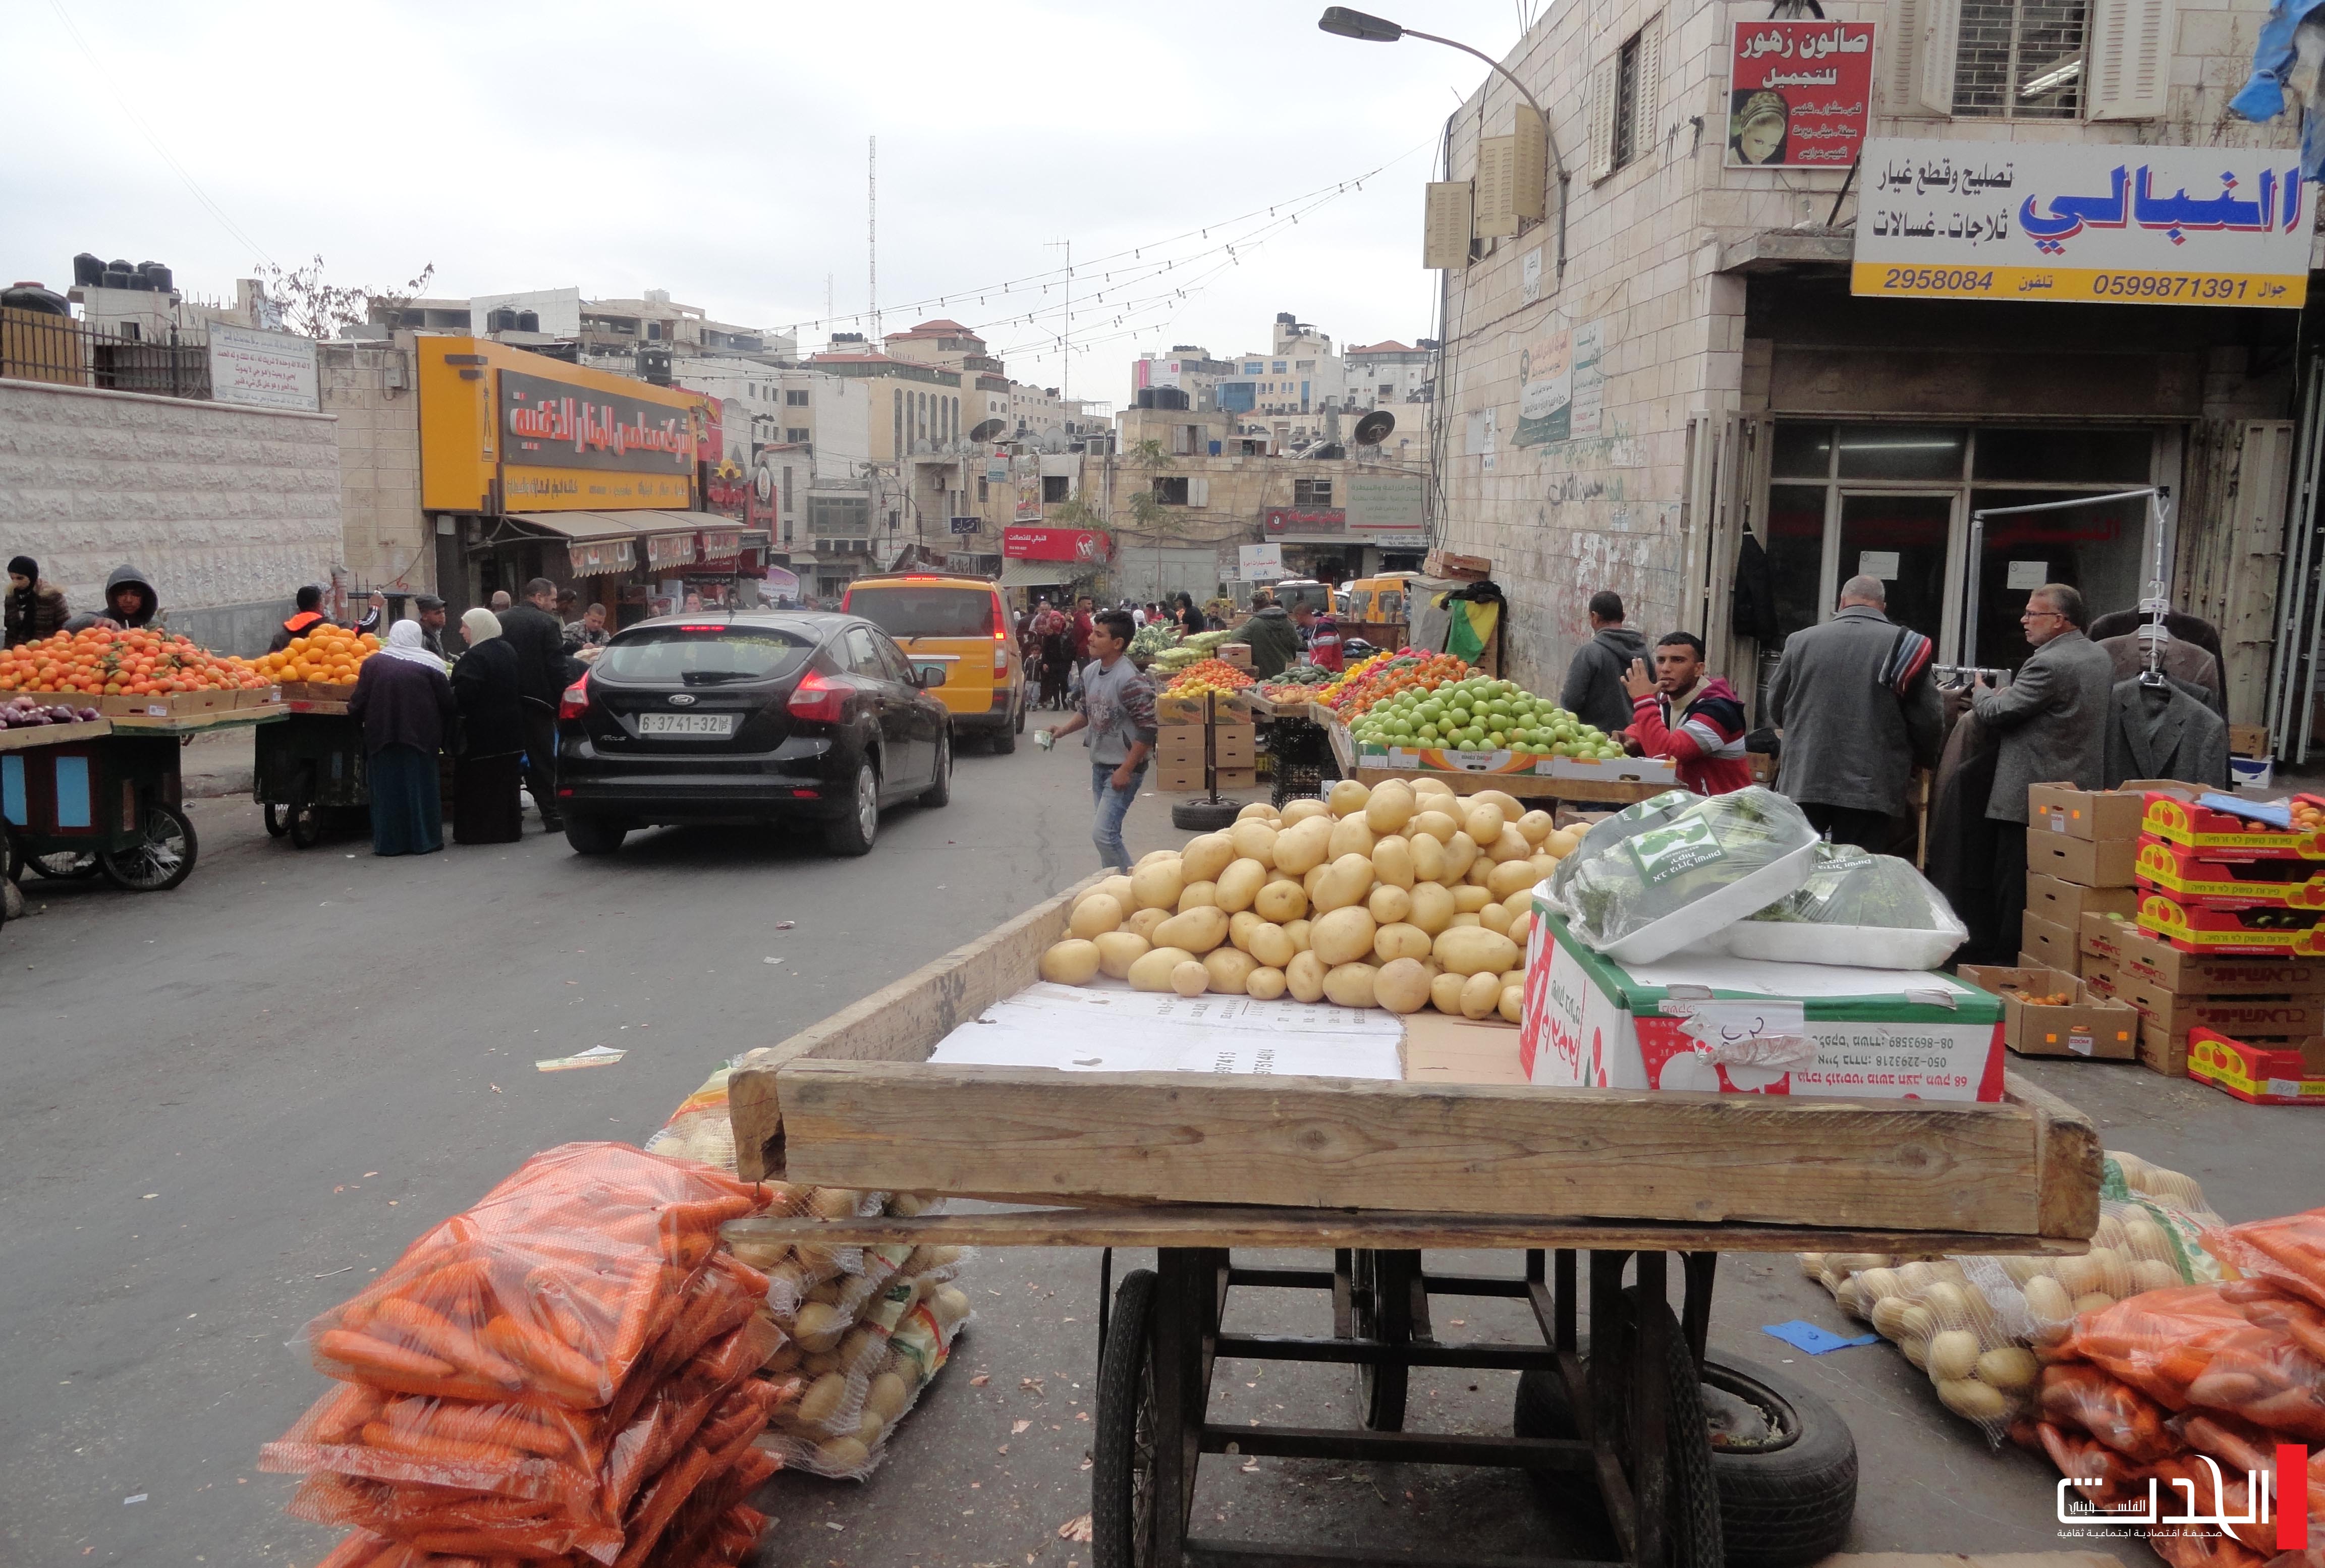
(702, 725)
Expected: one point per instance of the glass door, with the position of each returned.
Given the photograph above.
(1907, 540)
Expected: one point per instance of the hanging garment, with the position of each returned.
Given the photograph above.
(2164, 732)
(2290, 38)
(1751, 601)
(1963, 841)
(2188, 663)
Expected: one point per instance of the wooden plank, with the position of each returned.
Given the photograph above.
(1469, 1149)
(190, 723)
(2070, 1159)
(38, 734)
(1245, 1225)
(1525, 786)
(898, 1023)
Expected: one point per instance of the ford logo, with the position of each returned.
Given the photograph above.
(681, 699)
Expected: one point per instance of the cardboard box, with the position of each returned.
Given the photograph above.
(1440, 1048)
(2247, 740)
(2269, 933)
(2086, 862)
(2078, 813)
(2192, 877)
(2050, 944)
(2063, 903)
(2264, 1074)
(1235, 653)
(1877, 1033)
(1235, 745)
(1177, 778)
(1174, 708)
(2088, 1026)
(2131, 952)
(1465, 568)
(1236, 778)
(2243, 1018)
(2173, 815)
(2161, 1050)
(2100, 977)
(1180, 745)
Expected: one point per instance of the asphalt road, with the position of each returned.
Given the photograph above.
(223, 1108)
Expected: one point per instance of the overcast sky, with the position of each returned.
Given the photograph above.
(718, 150)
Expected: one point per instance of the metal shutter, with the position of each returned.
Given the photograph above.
(2130, 55)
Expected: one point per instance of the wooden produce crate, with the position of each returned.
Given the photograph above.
(853, 1101)
(34, 734)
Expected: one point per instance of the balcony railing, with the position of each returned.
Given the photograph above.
(37, 347)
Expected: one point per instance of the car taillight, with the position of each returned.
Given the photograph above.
(1000, 654)
(576, 700)
(818, 698)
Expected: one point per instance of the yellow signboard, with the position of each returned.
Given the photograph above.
(530, 489)
(2080, 285)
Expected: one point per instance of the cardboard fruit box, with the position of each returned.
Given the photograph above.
(2193, 878)
(2063, 903)
(2080, 813)
(2281, 932)
(2131, 952)
(2175, 814)
(2050, 944)
(2245, 1018)
(2263, 1074)
(2085, 1024)
(2085, 862)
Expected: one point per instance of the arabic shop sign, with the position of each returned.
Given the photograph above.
(1085, 546)
(1800, 94)
(557, 424)
(2093, 225)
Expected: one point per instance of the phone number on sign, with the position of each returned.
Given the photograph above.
(2167, 286)
(1937, 280)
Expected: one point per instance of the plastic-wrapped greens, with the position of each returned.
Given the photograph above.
(1671, 883)
(1637, 818)
(1867, 911)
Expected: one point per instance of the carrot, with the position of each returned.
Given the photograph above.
(554, 1368)
(514, 1425)
(431, 1333)
(446, 1450)
(365, 1354)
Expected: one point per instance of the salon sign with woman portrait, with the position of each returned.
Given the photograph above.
(1800, 94)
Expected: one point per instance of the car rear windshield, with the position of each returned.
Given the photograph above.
(676, 653)
(925, 612)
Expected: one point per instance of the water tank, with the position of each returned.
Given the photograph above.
(157, 277)
(528, 321)
(1146, 397)
(1170, 397)
(500, 320)
(33, 297)
(119, 274)
(88, 271)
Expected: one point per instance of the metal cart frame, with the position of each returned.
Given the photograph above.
(88, 799)
(311, 764)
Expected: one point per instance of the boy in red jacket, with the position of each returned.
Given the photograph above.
(1706, 738)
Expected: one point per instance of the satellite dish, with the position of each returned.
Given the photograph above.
(1373, 428)
(989, 431)
(1053, 440)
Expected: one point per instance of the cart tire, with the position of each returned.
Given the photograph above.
(164, 859)
(277, 823)
(594, 835)
(1380, 1307)
(302, 818)
(1204, 816)
(1121, 1449)
(58, 866)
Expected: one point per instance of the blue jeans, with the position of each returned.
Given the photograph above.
(1113, 805)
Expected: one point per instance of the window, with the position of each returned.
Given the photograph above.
(1170, 492)
(1053, 487)
(980, 489)
(797, 433)
(1280, 367)
(1303, 365)
(1254, 367)
(1623, 90)
(1626, 102)
(1387, 388)
(831, 516)
(678, 653)
(795, 397)
(2019, 59)
(787, 489)
(926, 612)
(1312, 492)
(863, 653)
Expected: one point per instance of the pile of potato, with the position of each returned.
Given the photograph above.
(1399, 895)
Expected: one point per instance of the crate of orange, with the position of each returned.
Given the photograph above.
(320, 666)
(140, 670)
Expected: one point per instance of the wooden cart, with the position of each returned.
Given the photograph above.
(307, 766)
(1376, 1172)
(1525, 786)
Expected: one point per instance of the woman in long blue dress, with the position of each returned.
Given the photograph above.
(405, 703)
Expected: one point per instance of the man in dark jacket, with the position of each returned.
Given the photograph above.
(531, 629)
(1859, 712)
(35, 609)
(1274, 640)
(1594, 690)
(130, 601)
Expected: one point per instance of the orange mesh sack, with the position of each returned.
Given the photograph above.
(2289, 1250)
(2086, 1399)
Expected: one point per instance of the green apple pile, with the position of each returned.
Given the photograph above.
(1481, 714)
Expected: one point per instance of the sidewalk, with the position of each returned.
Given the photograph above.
(220, 762)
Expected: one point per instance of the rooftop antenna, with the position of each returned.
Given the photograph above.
(1066, 338)
(872, 230)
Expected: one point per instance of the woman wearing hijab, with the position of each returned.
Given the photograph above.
(404, 703)
(485, 685)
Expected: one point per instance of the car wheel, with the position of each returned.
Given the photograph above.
(594, 835)
(853, 833)
(1004, 736)
(940, 790)
(1020, 726)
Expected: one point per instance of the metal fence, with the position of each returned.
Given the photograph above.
(37, 347)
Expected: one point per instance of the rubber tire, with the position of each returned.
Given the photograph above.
(118, 868)
(848, 835)
(1004, 737)
(1380, 1306)
(303, 819)
(1125, 1386)
(594, 835)
(70, 866)
(1019, 727)
(1205, 816)
(277, 822)
(939, 792)
(1777, 1509)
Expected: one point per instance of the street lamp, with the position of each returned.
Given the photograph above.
(1343, 22)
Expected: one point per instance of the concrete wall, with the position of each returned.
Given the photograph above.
(386, 540)
(227, 509)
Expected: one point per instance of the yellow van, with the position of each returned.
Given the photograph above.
(1379, 599)
(959, 625)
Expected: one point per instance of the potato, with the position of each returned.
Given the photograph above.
(1239, 885)
(1512, 1006)
(1433, 907)
(1304, 978)
(822, 1400)
(1070, 962)
(1254, 841)
(1396, 939)
(1257, 811)
(1307, 879)
(842, 1455)
(1281, 900)
(2153, 1273)
(1118, 889)
(1401, 986)
(1342, 936)
(1156, 885)
(1469, 900)
(1425, 785)
(1967, 1397)
(1270, 945)
(1266, 984)
(1346, 796)
(1435, 824)
(1350, 836)
(1298, 811)
(1511, 876)
(1191, 979)
(1392, 861)
(1462, 919)
(1389, 904)
(1953, 1354)
(2097, 1301)
(1460, 854)
(1509, 845)
(1351, 985)
(1495, 917)
(1445, 993)
(1536, 826)
(1094, 915)
(1345, 881)
(1199, 930)
(1479, 870)
(1467, 952)
(1152, 857)
(1481, 993)
(1482, 820)
(1428, 858)
(1117, 951)
(1514, 977)
(1512, 808)
(1296, 931)
(1143, 923)
(887, 1396)
(1197, 896)
(1204, 858)
(818, 1327)
(1152, 972)
(1389, 807)
(1240, 925)
(1543, 865)
(1302, 848)
(2009, 1368)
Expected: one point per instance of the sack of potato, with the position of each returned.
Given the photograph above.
(1981, 1326)
(1398, 896)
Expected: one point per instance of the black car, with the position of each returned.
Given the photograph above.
(748, 718)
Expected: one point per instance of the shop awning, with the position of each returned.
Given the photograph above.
(597, 543)
(1041, 574)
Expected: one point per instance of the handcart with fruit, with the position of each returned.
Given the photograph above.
(310, 764)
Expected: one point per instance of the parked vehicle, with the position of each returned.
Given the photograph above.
(750, 718)
(960, 624)
(1293, 591)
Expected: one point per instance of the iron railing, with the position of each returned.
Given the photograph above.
(64, 352)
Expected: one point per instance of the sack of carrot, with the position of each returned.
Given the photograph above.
(570, 1371)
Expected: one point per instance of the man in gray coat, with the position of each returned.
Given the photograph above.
(1594, 690)
(2052, 721)
(1859, 712)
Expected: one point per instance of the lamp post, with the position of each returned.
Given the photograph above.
(1343, 22)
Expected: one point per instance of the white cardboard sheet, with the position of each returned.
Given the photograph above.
(1111, 1028)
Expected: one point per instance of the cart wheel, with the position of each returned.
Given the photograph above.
(1121, 1450)
(303, 819)
(164, 859)
(60, 866)
(277, 822)
(1205, 816)
(1380, 1307)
